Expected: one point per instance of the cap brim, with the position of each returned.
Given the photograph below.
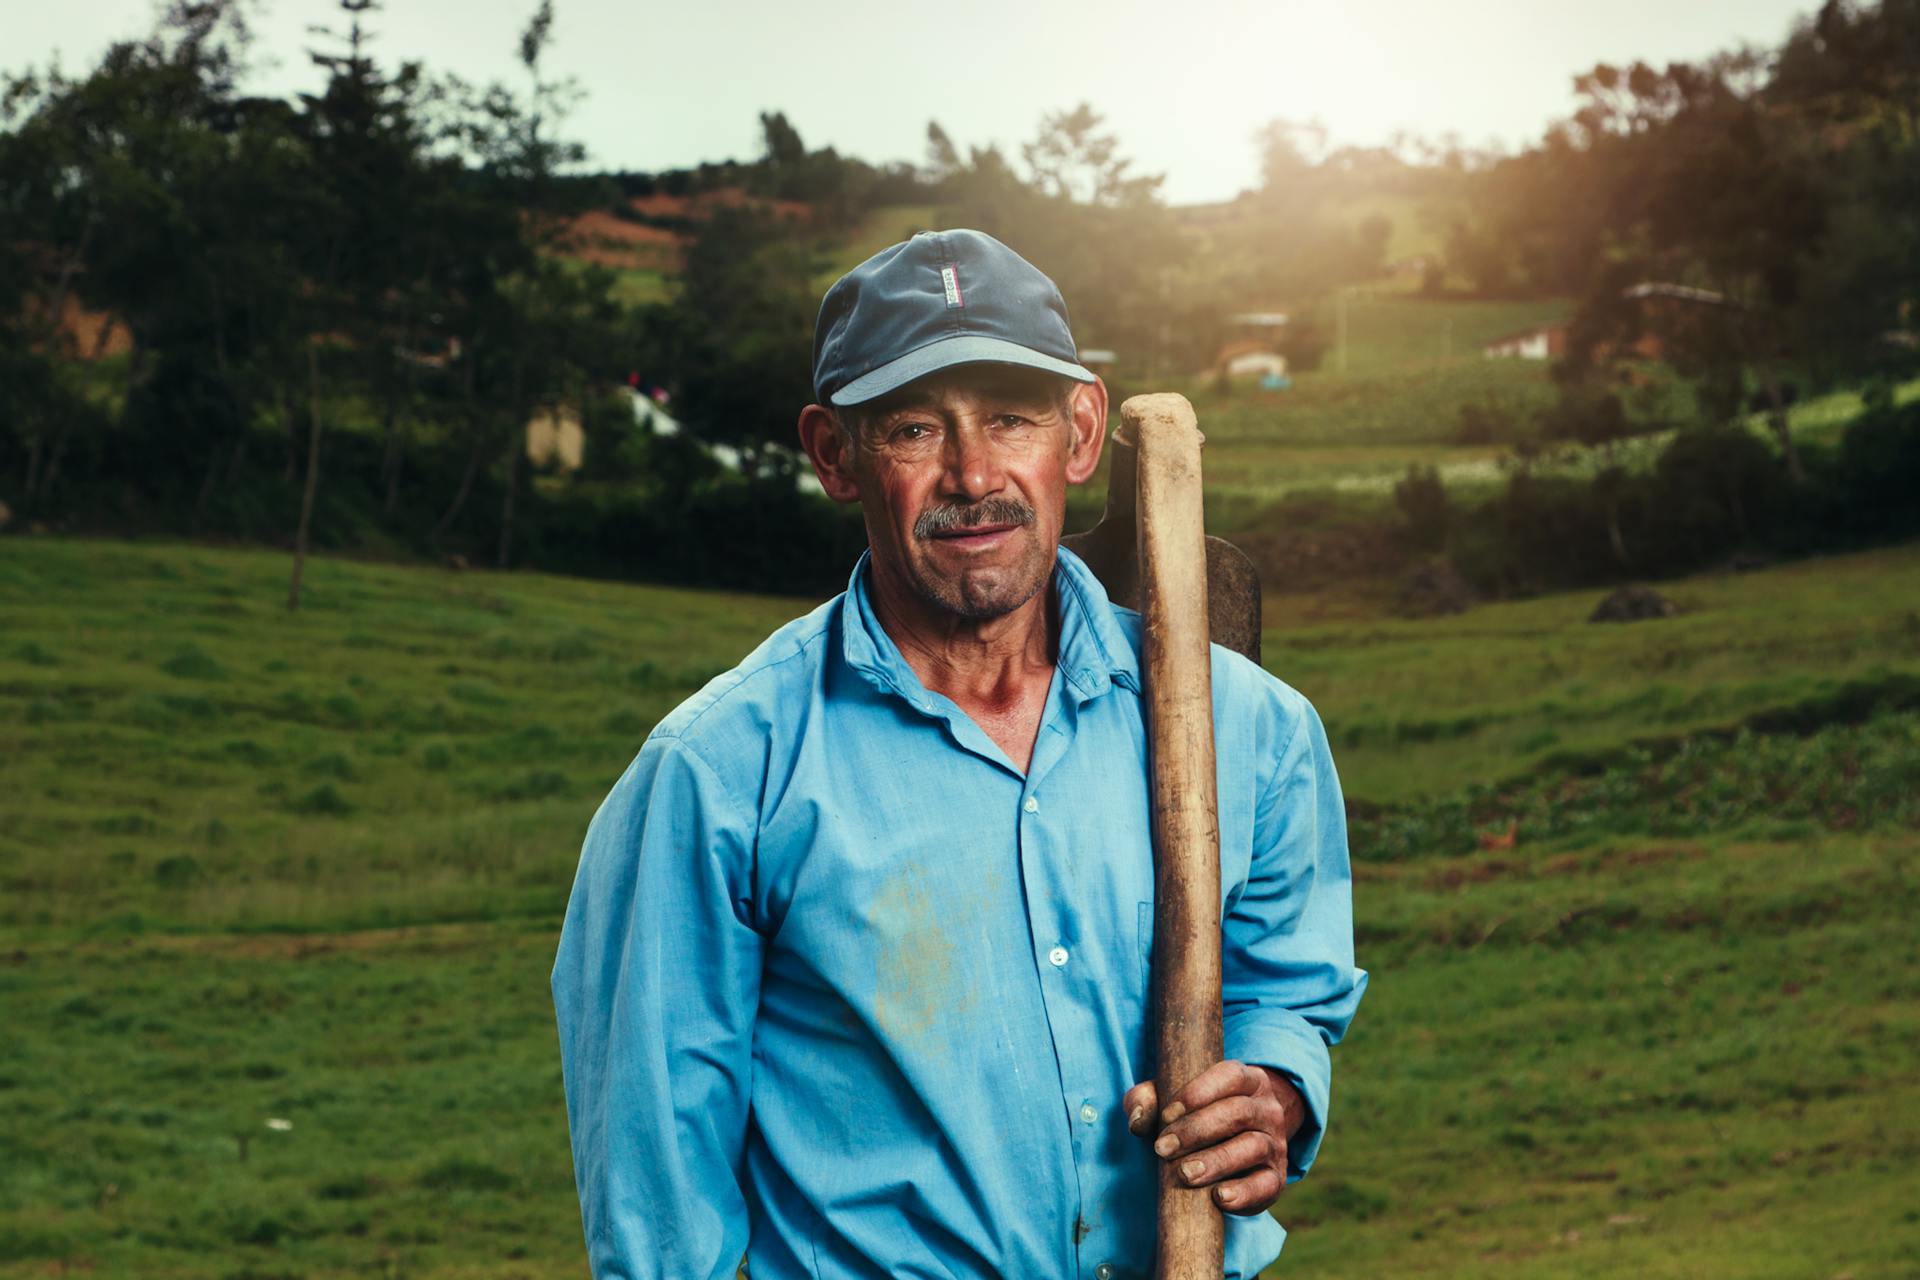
(961, 348)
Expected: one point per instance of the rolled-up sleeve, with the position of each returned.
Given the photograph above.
(655, 988)
(1289, 984)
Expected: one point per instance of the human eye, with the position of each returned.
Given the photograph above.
(910, 432)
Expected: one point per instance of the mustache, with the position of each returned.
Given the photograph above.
(988, 511)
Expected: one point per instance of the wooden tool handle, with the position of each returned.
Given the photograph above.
(1186, 825)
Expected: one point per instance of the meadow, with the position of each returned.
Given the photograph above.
(281, 893)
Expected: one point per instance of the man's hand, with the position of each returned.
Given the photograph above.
(1227, 1129)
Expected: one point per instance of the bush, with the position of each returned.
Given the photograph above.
(1484, 424)
(1712, 492)
(458, 1174)
(177, 872)
(1422, 500)
(1879, 471)
(323, 801)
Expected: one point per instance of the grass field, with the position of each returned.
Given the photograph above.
(280, 897)
(1388, 331)
(887, 225)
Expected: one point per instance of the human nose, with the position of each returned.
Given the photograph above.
(974, 468)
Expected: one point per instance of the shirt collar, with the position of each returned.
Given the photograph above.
(1094, 652)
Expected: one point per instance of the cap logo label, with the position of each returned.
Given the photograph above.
(950, 277)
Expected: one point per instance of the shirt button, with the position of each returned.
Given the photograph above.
(1057, 957)
(1087, 1114)
(1032, 805)
(1104, 1271)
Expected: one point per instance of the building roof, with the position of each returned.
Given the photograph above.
(1682, 292)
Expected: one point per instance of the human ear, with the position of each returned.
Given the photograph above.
(831, 453)
(1089, 430)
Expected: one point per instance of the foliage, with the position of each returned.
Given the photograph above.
(741, 330)
(1103, 236)
(1752, 214)
(1422, 500)
(1711, 494)
(1879, 470)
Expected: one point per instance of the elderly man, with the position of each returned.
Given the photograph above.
(853, 980)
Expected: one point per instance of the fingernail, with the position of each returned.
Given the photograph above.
(1192, 1170)
(1228, 1195)
(1167, 1145)
(1133, 1121)
(1173, 1112)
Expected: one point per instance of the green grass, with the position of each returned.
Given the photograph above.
(400, 750)
(887, 225)
(1358, 435)
(417, 1072)
(1420, 708)
(1353, 435)
(1643, 1059)
(1389, 332)
(308, 869)
(1415, 405)
(1840, 776)
(1414, 232)
(638, 287)
(631, 287)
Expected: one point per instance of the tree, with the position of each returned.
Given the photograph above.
(1715, 209)
(1104, 237)
(943, 158)
(1290, 151)
(743, 332)
(1074, 159)
(539, 300)
(365, 141)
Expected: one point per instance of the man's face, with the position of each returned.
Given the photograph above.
(962, 477)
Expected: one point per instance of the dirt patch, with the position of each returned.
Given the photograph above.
(1475, 871)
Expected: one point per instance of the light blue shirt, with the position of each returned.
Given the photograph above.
(842, 990)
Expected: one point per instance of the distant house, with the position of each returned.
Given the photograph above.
(1542, 342)
(88, 335)
(1249, 359)
(648, 414)
(554, 433)
(1667, 311)
(1672, 292)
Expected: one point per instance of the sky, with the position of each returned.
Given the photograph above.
(1182, 83)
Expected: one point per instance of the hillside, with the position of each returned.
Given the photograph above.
(282, 892)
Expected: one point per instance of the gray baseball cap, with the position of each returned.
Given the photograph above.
(940, 299)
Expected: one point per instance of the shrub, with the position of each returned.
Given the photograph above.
(1485, 423)
(176, 872)
(1879, 469)
(193, 663)
(1422, 500)
(458, 1174)
(324, 800)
